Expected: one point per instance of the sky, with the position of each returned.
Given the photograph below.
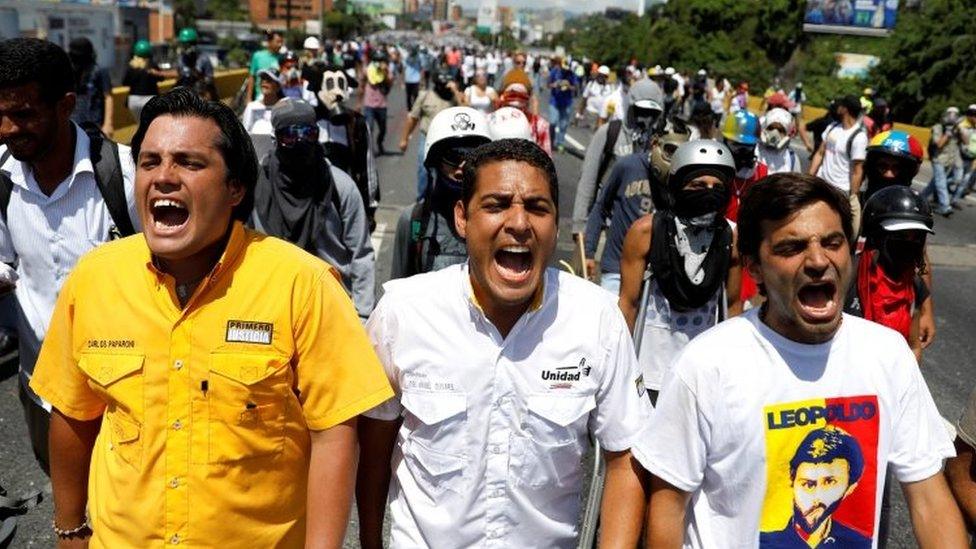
(571, 5)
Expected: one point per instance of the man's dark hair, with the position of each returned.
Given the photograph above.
(827, 444)
(851, 103)
(519, 150)
(234, 144)
(777, 197)
(26, 60)
(269, 35)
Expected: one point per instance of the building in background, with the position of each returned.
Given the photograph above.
(286, 14)
(440, 10)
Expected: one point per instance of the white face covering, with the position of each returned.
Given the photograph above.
(334, 89)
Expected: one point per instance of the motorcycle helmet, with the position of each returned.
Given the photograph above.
(898, 144)
(143, 49)
(188, 35)
(895, 208)
(454, 127)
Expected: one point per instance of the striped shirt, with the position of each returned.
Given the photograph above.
(45, 235)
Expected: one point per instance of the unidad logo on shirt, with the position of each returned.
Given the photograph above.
(245, 331)
(566, 375)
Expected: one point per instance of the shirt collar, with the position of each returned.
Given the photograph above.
(537, 299)
(235, 245)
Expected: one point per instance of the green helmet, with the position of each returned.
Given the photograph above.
(188, 35)
(142, 48)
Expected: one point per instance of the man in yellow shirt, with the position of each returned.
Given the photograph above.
(205, 379)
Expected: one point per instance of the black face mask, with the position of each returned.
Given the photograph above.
(898, 256)
(689, 204)
(299, 157)
(744, 155)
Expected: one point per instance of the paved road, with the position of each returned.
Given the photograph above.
(948, 365)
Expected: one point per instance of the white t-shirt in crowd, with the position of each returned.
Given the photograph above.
(779, 160)
(595, 95)
(836, 166)
(613, 105)
(746, 411)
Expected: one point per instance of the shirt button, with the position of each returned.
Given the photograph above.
(175, 483)
(177, 425)
(175, 540)
(496, 449)
(178, 364)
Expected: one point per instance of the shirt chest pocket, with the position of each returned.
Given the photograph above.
(435, 441)
(118, 380)
(548, 452)
(245, 404)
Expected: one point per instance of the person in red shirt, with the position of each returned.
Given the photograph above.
(741, 133)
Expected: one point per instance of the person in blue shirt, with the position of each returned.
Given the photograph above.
(413, 69)
(562, 84)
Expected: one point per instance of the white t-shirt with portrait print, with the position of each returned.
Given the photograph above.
(748, 419)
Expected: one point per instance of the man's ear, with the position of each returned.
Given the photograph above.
(751, 265)
(66, 105)
(237, 192)
(461, 218)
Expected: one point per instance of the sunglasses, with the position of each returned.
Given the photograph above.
(289, 136)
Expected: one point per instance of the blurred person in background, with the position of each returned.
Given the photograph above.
(479, 95)
(142, 76)
(257, 113)
(93, 89)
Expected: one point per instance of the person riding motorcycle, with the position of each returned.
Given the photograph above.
(194, 70)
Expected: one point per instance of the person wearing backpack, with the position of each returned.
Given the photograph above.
(426, 238)
(302, 198)
(967, 149)
(840, 158)
(62, 192)
(643, 116)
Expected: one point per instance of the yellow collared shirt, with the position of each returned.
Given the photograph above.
(207, 409)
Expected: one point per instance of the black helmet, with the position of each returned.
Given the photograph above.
(895, 208)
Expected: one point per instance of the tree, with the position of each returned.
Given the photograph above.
(184, 13)
(929, 63)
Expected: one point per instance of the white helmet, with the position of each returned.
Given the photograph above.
(509, 123)
(773, 137)
(456, 123)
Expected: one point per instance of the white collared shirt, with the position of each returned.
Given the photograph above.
(45, 236)
(494, 429)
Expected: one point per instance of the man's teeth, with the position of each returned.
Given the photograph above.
(516, 249)
(166, 202)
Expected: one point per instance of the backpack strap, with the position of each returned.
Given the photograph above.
(850, 140)
(419, 220)
(613, 132)
(104, 155)
(6, 186)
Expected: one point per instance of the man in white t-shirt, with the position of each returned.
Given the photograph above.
(840, 158)
(778, 425)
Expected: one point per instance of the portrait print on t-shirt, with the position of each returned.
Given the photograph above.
(821, 473)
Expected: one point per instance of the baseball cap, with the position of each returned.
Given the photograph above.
(292, 112)
(311, 43)
(893, 225)
(971, 110)
(270, 74)
(669, 71)
(604, 70)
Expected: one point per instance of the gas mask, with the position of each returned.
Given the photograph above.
(644, 122)
(332, 94)
(775, 138)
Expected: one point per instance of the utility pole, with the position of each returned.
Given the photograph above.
(287, 15)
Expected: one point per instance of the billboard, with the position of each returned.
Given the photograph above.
(854, 65)
(488, 16)
(870, 17)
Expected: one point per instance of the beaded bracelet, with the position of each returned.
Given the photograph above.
(68, 534)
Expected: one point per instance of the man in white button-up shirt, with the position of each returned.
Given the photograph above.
(502, 369)
(56, 212)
